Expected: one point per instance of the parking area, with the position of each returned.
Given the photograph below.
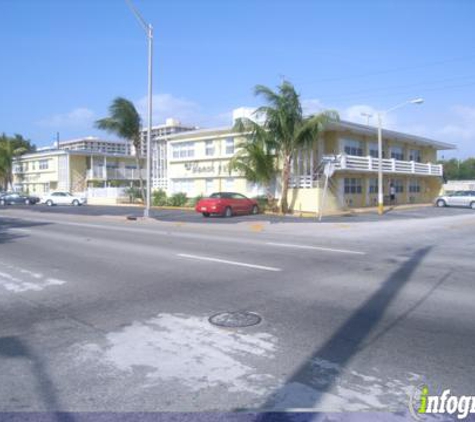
(189, 216)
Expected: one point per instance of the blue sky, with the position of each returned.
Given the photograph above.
(63, 61)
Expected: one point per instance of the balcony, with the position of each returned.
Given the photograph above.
(371, 164)
(100, 173)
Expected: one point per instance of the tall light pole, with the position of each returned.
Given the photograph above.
(149, 32)
(380, 150)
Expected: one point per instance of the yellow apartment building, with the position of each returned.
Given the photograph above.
(72, 170)
(198, 165)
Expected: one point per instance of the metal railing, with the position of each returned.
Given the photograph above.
(371, 164)
(115, 173)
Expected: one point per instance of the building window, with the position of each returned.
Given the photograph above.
(44, 164)
(209, 148)
(183, 150)
(353, 185)
(209, 186)
(184, 185)
(398, 185)
(229, 146)
(397, 153)
(353, 147)
(373, 185)
(415, 155)
(414, 186)
(373, 150)
(229, 184)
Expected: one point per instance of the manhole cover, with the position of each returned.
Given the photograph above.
(235, 319)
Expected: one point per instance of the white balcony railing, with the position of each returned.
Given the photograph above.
(371, 164)
(118, 174)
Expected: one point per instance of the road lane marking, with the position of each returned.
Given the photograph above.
(224, 261)
(316, 248)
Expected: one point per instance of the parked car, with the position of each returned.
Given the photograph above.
(226, 204)
(62, 198)
(457, 199)
(10, 198)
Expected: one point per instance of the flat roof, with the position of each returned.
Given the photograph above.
(342, 126)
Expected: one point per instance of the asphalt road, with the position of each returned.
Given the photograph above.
(99, 313)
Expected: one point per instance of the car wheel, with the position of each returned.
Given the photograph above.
(255, 210)
(205, 214)
(228, 212)
(440, 203)
(75, 202)
(49, 202)
(472, 205)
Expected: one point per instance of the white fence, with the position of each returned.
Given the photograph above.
(356, 163)
(111, 193)
(115, 173)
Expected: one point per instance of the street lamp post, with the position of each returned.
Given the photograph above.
(148, 28)
(380, 150)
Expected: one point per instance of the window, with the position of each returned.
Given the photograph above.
(398, 185)
(229, 184)
(44, 164)
(397, 153)
(353, 185)
(229, 146)
(373, 150)
(414, 186)
(373, 185)
(209, 148)
(353, 147)
(209, 185)
(183, 150)
(184, 185)
(33, 165)
(415, 155)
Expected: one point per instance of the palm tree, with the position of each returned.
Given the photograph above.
(10, 148)
(125, 122)
(254, 158)
(288, 128)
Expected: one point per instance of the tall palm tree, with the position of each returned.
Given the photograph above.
(254, 158)
(10, 148)
(289, 129)
(125, 122)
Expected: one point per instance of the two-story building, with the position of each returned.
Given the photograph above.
(75, 166)
(198, 165)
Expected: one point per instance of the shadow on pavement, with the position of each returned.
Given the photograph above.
(343, 344)
(14, 348)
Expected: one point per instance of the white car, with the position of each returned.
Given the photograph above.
(62, 198)
(457, 199)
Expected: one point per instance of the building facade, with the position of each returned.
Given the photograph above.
(198, 165)
(73, 170)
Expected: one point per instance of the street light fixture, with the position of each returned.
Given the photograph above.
(368, 116)
(380, 150)
(147, 27)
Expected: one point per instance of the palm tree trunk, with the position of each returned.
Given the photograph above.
(284, 206)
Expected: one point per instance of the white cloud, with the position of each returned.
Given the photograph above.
(312, 106)
(77, 118)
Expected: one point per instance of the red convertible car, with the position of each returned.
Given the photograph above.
(227, 204)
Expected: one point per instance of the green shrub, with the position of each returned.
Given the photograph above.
(133, 193)
(177, 199)
(193, 201)
(159, 198)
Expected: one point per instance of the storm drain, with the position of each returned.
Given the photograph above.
(235, 319)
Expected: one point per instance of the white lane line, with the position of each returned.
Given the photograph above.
(224, 261)
(316, 248)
